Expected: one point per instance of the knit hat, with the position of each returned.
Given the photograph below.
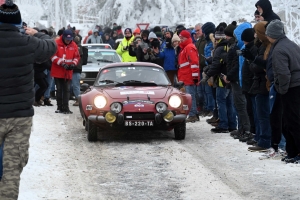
(128, 29)
(151, 35)
(185, 34)
(96, 31)
(275, 29)
(219, 34)
(221, 24)
(175, 38)
(230, 28)
(68, 34)
(248, 35)
(10, 14)
(208, 28)
(137, 37)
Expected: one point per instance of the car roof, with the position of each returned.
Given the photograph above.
(97, 45)
(102, 50)
(131, 64)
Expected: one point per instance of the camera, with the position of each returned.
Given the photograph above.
(239, 52)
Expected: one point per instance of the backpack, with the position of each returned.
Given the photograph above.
(85, 55)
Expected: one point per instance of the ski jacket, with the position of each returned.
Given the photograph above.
(123, 50)
(188, 61)
(65, 54)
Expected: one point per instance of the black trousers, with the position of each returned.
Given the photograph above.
(250, 112)
(291, 120)
(276, 122)
(62, 93)
(43, 86)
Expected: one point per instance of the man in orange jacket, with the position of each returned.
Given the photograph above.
(188, 72)
(63, 62)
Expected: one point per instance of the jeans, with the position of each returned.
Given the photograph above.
(50, 83)
(226, 112)
(240, 104)
(63, 93)
(256, 121)
(191, 89)
(263, 115)
(76, 84)
(206, 91)
(276, 120)
(1, 160)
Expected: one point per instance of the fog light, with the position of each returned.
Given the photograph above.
(169, 116)
(110, 117)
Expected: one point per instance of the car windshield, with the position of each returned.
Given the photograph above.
(136, 75)
(96, 56)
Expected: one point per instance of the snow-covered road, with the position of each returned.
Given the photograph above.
(145, 165)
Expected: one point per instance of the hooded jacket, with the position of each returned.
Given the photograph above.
(18, 52)
(123, 50)
(268, 13)
(65, 54)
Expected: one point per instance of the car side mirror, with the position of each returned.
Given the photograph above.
(84, 86)
(179, 85)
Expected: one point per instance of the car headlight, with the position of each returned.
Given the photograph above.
(116, 107)
(100, 101)
(82, 75)
(175, 101)
(161, 107)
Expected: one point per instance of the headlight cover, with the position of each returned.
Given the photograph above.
(100, 101)
(161, 107)
(82, 75)
(116, 107)
(175, 101)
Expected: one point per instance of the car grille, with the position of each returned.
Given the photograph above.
(139, 116)
(91, 74)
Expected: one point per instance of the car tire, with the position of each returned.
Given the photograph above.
(180, 130)
(86, 125)
(92, 131)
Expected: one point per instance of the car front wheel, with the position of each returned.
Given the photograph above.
(180, 130)
(92, 131)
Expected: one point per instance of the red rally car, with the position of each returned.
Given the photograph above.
(135, 95)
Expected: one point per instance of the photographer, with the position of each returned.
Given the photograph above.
(134, 45)
(63, 63)
(149, 53)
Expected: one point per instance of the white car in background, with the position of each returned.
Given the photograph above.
(97, 46)
(97, 59)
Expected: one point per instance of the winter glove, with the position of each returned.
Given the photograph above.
(247, 54)
(204, 78)
(64, 65)
(195, 81)
(208, 60)
(125, 48)
(71, 67)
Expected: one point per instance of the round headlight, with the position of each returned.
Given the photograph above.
(100, 101)
(161, 107)
(116, 107)
(175, 101)
(82, 75)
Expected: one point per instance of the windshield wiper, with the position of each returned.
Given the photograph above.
(140, 82)
(103, 60)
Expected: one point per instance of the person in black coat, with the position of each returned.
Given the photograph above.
(266, 11)
(40, 79)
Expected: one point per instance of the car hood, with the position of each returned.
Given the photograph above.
(93, 67)
(156, 92)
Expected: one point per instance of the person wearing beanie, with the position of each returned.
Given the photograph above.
(218, 70)
(258, 17)
(64, 61)
(18, 53)
(230, 28)
(189, 72)
(152, 35)
(95, 38)
(123, 48)
(108, 40)
(143, 46)
(265, 9)
(286, 69)
(175, 38)
(207, 29)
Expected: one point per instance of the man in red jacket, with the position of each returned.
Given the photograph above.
(188, 72)
(63, 62)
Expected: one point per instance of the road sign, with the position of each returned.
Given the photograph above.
(142, 26)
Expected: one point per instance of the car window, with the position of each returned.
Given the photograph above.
(136, 73)
(95, 56)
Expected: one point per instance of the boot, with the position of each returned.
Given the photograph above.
(47, 102)
(59, 110)
(76, 103)
(66, 110)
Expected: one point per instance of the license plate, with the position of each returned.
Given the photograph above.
(139, 123)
